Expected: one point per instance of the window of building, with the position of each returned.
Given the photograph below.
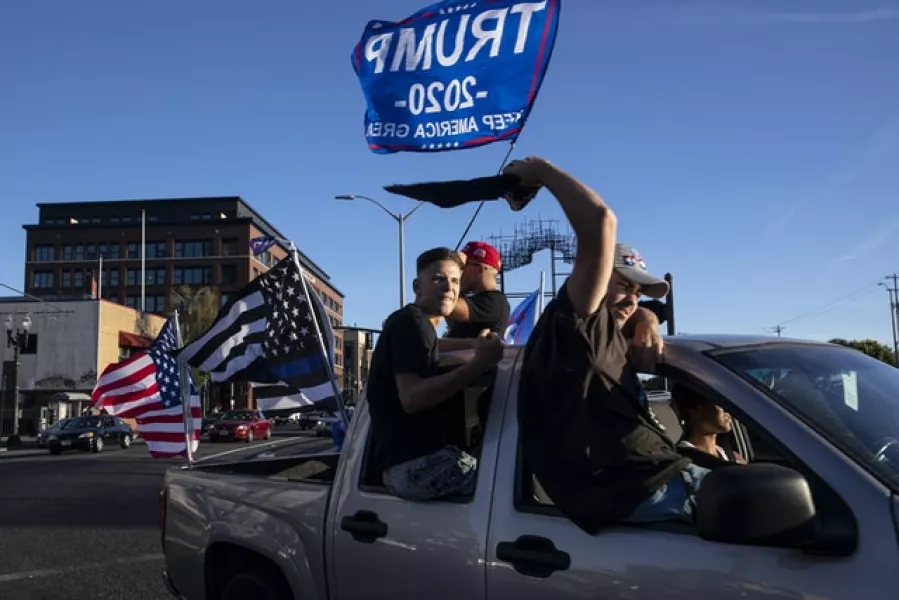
(193, 276)
(111, 277)
(229, 246)
(157, 250)
(155, 276)
(265, 258)
(193, 248)
(66, 279)
(79, 251)
(155, 304)
(44, 252)
(91, 252)
(42, 279)
(67, 252)
(78, 279)
(114, 249)
(229, 274)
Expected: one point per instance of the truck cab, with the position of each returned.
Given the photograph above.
(806, 519)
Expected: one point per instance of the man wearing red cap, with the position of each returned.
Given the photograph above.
(481, 304)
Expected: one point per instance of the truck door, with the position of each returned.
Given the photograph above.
(385, 547)
(534, 552)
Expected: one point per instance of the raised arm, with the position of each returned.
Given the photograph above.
(593, 222)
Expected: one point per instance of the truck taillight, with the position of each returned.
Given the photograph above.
(163, 504)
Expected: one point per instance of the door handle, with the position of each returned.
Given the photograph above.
(533, 556)
(364, 526)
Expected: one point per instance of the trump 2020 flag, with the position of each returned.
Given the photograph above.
(146, 387)
(454, 74)
(264, 335)
(523, 319)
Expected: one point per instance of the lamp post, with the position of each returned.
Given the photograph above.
(400, 220)
(17, 339)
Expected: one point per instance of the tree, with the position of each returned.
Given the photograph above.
(197, 309)
(872, 348)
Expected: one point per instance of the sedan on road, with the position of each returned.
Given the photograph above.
(245, 425)
(91, 433)
(51, 430)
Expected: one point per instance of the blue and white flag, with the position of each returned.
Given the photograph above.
(262, 243)
(455, 74)
(523, 319)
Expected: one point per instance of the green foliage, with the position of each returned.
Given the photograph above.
(872, 348)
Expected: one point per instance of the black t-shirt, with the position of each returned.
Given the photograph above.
(407, 344)
(585, 434)
(486, 310)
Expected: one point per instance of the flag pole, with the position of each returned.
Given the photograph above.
(184, 384)
(542, 292)
(143, 261)
(295, 255)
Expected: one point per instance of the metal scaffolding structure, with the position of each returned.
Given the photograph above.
(527, 239)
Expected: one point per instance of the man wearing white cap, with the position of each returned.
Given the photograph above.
(585, 425)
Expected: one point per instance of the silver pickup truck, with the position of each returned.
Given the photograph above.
(813, 515)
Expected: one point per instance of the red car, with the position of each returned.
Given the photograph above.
(246, 425)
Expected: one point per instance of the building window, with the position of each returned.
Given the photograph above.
(44, 253)
(91, 253)
(265, 258)
(156, 250)
(79, 251)
(67, 252)
(193, 276)
(111, 277)
(193, 248)
(114, 250)
(155, 304)
(229, 274)
(79, 279)
(229, 247)
(42, 280)
(155, 276)
(133, 250)
(66, 279)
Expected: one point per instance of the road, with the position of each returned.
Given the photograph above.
(83, 525)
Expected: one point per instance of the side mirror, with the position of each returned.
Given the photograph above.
(757, 504)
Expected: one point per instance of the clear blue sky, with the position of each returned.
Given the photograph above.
(751, 148)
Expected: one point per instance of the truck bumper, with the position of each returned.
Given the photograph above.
(167, 581)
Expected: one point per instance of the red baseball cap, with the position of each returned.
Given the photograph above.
(483, 253)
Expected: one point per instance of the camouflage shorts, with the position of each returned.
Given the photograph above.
(445, 472)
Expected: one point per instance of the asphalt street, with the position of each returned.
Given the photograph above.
(83, 525)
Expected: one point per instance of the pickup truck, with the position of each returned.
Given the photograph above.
(812, 515)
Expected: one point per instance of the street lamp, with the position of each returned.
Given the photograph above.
(17, 339)
(401, 220)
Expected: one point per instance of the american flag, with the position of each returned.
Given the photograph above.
(266, 335)
(146, 387)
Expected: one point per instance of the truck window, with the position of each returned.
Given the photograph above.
(370, 477)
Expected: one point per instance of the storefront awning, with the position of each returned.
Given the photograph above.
(133, 340)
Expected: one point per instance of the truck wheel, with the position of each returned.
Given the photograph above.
(258, 584)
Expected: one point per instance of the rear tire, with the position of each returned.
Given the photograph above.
(257, 584)
(126, 441)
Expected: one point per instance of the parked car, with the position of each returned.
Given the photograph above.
(814, 515)
(51, 430)
(91, 433)
(209, 420)
(243, 425)
(323, 425)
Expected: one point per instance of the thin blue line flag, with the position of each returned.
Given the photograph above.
(456, 74)
(523, 319)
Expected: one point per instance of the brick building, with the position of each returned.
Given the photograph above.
(196, 242)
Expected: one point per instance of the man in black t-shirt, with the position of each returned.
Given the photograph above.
(586, 429)
(407, 397)
(481, 305)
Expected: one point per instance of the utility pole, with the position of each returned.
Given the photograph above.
(894, 312)
(778, 329)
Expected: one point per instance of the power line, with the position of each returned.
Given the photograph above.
(832, 303)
